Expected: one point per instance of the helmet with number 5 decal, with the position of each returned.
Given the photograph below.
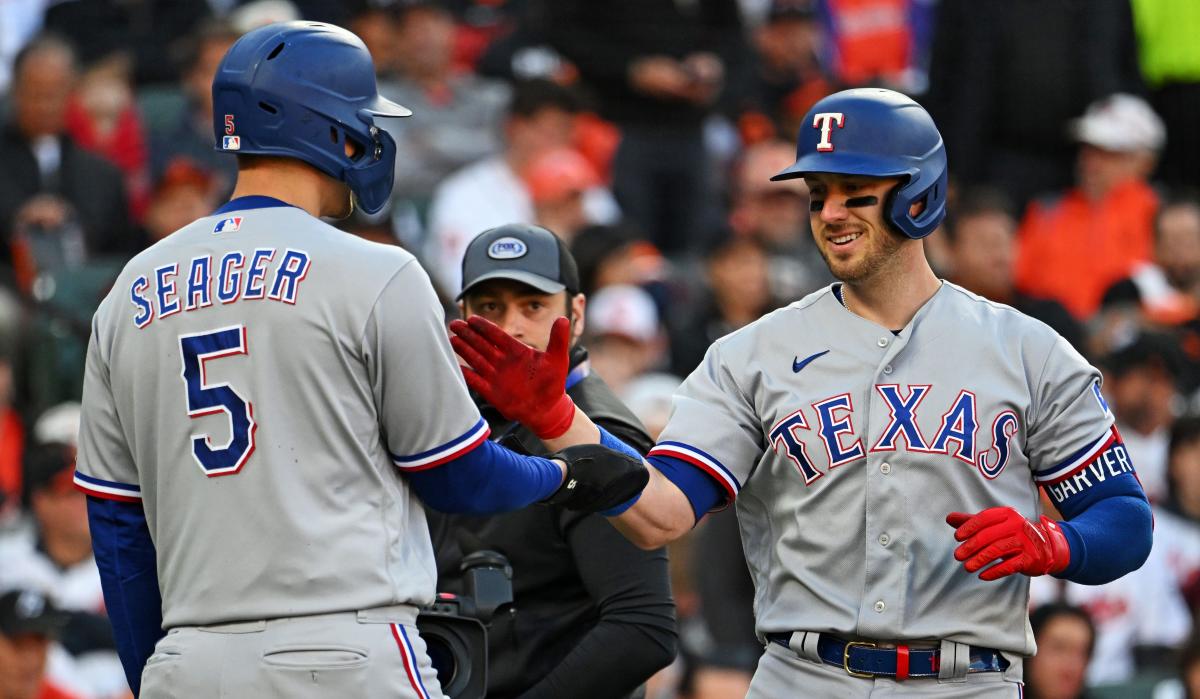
(303, 90)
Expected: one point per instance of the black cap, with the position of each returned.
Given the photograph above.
(29, 611)
(525, 253)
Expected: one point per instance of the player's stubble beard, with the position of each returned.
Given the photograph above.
(881, 247)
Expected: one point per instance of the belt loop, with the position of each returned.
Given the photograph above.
(955, 659)
(901, 663)
(804, 644)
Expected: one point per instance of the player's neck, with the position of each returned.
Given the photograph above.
(295, 184)
(893, 295)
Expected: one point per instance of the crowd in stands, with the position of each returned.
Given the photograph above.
(644, 133)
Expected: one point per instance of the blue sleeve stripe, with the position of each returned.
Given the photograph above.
(110, 490)
(1077, 460)
(704, 492)
(704, 461)
(446, 452)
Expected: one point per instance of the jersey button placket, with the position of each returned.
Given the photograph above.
(880, 606)
(885, 468)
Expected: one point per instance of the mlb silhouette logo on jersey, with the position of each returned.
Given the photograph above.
(825, 121)
(228, 225)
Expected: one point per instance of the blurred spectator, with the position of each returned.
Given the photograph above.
(736, 294)
(656, 67)
(1140, 384)
(1170, 63)
(557, 182)
(1166, 290)
(783, 76)
(102, 118)
(1177, 520)
(1065, 640)
(1138, 618)
(20, 20)
(376, 26)
(1073, 248)
(456, 117)
(183, 194)
(57, 560)
(981, 251)
(12, 442)
(626, 339)
(29, 624)
(491, 192)
(49, 185)
(775, 214)
(878, 42)
(252, 14)
(1007, 75)
(616, 254)
(141, 34)
(649, 397)
(190, 133)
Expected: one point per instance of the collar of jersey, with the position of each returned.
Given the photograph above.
(252, 201)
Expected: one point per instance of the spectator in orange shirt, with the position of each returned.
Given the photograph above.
(1071, 249)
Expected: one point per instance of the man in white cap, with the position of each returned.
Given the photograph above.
(1073, 247)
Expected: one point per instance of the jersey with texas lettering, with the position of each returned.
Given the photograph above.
(845, 445)
(259, 380)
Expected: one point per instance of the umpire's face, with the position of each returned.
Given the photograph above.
(523, 311)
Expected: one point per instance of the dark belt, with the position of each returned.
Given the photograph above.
(867, 659)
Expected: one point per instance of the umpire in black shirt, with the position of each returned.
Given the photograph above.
(594, 617)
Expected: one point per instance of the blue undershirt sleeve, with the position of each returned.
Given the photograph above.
(486, 480)
(127, 562)
(1108, 523)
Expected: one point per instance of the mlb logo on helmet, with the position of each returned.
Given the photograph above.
(228, 225)
(507, 249)
(231, 142)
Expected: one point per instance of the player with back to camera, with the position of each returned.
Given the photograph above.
(851, 427)
(269, 403)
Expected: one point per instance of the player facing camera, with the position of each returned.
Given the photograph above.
(455, 626)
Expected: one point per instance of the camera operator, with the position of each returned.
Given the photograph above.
(593, 614)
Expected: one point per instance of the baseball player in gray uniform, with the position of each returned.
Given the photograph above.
(269, 402)
(884, 441)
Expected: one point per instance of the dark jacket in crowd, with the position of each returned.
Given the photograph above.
(593, 613)
(603, 39)
(92, 185)
(1007, 75)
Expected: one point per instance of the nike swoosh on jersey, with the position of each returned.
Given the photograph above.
(798, 364)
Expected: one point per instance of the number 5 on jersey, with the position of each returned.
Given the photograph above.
(204, 399)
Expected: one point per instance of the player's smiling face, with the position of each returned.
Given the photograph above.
(847, 223)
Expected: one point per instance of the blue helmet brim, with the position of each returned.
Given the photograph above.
(844, 164)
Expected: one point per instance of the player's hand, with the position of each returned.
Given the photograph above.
(524, 384)
(1002, 534)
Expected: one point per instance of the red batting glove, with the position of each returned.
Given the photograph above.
(1002, 534)
(525, 385)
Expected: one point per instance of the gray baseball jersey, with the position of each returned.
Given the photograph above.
(846, 445)
(259, 381)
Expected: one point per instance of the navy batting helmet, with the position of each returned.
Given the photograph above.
(301, 90)
(880, 133)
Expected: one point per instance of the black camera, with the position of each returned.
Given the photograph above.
(454, 627)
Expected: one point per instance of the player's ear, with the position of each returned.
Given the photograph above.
(578, 307)
(462, 308)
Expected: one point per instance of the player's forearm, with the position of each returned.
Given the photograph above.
(581, 431)
(660, 516)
